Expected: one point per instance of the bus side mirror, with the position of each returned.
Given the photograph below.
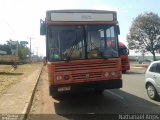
(117, 29)
(42, 27)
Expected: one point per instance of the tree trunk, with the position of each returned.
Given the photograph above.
(154, 56)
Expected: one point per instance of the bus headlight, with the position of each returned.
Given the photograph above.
(59, 77)
(106, 74)
(113, 73)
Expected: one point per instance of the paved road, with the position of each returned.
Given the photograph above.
(132, 98)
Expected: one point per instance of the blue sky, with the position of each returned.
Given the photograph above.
(19, 19)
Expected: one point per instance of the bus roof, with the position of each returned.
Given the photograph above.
(121, 45)
(58, 17)
(80, 10)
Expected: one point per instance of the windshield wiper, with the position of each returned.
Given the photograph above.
(68, 57)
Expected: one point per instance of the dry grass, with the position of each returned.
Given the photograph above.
(9, 75)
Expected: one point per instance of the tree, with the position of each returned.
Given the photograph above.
(144, 34)
(23, 51)
(5, 48)
(21, 47)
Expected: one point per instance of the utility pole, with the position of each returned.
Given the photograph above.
(30, 38)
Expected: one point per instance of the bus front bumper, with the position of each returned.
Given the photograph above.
(82, 86)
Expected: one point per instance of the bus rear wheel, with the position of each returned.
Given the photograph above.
(124, 71)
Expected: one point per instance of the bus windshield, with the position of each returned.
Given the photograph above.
(123, 51)
(81, 42)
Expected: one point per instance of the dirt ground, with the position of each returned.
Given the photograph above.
(10, 76)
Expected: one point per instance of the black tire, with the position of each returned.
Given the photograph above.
(98, 92)
(151, 91)
(123, 71)
(57, 97)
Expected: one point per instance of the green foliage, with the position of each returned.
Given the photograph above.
(23, 51)
(144, 34)
(5, 48)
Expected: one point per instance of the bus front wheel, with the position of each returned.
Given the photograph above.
(98, 92)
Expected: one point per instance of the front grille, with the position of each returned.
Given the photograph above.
(92, 70)
(84, 66)
(124, 61)
(90, 75)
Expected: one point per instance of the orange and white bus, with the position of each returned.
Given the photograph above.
(78, 56)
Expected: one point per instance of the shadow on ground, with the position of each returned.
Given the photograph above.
(10, 73)
(101, 107)
(134, 72)
(89, 106)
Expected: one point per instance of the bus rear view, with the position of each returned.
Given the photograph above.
(82, 50)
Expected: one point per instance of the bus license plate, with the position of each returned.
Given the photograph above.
(61, 89)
